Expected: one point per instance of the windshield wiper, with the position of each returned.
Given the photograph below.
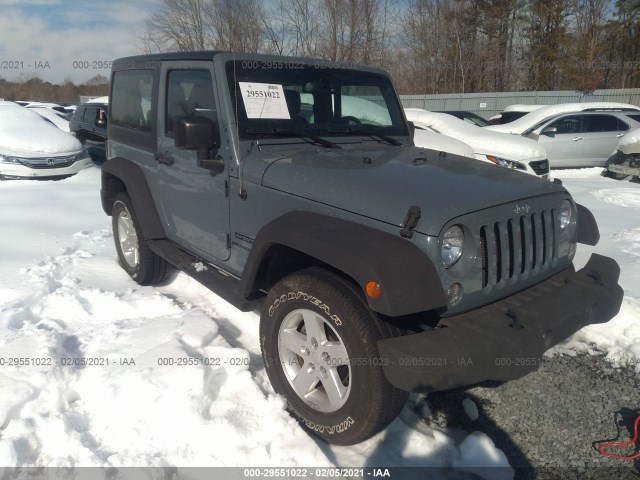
(358, 131)
(282, 132)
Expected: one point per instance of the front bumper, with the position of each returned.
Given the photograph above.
(21, 171)
(504, 340)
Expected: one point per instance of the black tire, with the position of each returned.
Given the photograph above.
(149, 268)
(370, 402)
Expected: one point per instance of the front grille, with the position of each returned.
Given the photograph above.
(48, 162)
(518, 247)
(540, 166)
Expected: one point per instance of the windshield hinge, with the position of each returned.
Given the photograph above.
(410, 221)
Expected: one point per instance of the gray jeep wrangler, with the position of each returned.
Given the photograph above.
(293, 185)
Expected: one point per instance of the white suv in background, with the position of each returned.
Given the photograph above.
(518, 153)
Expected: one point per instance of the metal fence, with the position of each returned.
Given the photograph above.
(489, 104)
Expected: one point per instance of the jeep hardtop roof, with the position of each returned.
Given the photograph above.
(147, 61)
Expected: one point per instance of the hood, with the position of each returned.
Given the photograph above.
(483, 141)
(25, 133)
(518, 126)
(382, 183)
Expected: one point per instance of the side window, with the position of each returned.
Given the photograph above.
(569, 124)
(189, 94)
(131, 104)
(79, 114)
(600, 123)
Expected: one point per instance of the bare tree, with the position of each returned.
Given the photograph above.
(586, 70)
(186, 25)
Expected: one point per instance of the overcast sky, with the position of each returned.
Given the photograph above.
(46, 37)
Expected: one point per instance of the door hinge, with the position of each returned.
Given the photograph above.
(228, 242)
(226, 188)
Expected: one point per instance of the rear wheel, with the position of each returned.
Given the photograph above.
(134, 255)
(319, 345)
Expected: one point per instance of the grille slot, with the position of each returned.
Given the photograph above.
(520, 246)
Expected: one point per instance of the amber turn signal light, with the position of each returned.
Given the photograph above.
(373, 290)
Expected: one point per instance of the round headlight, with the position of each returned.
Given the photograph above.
(565, 214)
(451, 245)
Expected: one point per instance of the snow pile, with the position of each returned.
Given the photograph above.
(25, 133)
(477, 450)
(527, 121)
(623, 197)
(53, 117)
(443, 143)
(482, 141)
(521, 107)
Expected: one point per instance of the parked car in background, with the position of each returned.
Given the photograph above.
(520, 154)
(89, 125)
(626, 159)
(52, 116)
(469, 117)
(31, 147)
(513, 112)
(531, 119)
(576, 134)
(584, 139)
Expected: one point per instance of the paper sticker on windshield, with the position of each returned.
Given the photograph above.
(264, 100)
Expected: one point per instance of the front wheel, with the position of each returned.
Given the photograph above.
(319, 345)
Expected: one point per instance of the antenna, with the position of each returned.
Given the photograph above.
(242, 193)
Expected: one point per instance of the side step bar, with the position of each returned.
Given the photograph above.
(224, 285)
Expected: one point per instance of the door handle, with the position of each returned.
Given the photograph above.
(164, 158)
(576, 139)
(619, 135)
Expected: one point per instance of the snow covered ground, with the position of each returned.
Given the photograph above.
(65, 302)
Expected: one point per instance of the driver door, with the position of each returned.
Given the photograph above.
(195, 207)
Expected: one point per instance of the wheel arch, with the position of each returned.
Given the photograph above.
(122, 175)
(297, 240)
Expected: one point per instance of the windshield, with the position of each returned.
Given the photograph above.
(308, 99)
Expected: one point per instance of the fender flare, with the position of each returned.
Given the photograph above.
(120, 174)
(588, 232)
(410, 282)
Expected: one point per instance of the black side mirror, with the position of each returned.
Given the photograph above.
(201, 134)
(549, 131)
